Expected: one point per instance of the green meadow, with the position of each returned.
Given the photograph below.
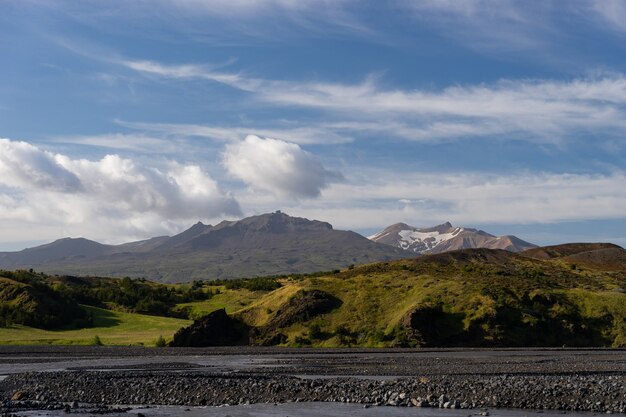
(111, 327)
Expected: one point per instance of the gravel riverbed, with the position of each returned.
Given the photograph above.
(575, 392)
(574, 380)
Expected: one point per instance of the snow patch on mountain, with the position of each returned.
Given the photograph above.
(409, 237)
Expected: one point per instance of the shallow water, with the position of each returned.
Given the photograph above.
(313, 409)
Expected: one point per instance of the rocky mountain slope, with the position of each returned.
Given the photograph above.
(268, 244)
(444, 238)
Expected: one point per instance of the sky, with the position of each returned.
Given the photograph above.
(124, 120)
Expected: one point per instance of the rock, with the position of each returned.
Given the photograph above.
(214, 329)
(18, 396)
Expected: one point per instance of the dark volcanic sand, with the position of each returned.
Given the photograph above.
(577, 380)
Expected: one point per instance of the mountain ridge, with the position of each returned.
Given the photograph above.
(266, 244)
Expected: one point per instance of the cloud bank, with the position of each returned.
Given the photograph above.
(377, 198)
(44, 187)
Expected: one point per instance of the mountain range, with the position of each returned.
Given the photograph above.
(267, 244)
(445, 238)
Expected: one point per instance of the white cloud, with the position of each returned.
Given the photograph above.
(110, 194)
(539, 106)
(24, 165)
(278, 167)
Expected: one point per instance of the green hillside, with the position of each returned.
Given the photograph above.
(477, 297)
(464, 298)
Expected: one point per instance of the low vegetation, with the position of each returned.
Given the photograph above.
(49, 302)
(27, 299)
(475, 297)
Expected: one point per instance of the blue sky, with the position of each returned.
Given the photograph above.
(124, 120)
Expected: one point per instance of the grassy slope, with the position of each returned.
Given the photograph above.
(113, 328)
(231, 300)
(377, 297)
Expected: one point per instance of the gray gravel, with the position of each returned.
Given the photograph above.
(600, 393)
(104, 377)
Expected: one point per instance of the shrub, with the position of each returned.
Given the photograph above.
(96, 341)
(160, 342)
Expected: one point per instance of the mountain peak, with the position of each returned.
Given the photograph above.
(445, 237)
(279, 222)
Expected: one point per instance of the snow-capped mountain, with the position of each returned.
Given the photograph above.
(445, 237)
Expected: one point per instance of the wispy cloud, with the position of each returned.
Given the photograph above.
(538, 110)
(188, 72)
(222, 22)
(493, 25)
(612, 12)
(127, 142)
(308, 135)
(540, 30)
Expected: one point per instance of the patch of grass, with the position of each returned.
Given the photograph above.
(261, 310)
(111, 327)
(230, 299)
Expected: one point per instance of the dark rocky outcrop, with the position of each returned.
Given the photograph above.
(214, 329)
(304, 306)
(428, 326)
